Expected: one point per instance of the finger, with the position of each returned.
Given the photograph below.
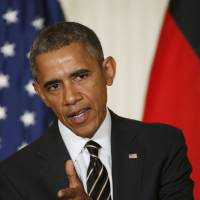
(72, 175)
(68, 193)
(73, 193)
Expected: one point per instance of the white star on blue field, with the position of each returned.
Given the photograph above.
(23, 117)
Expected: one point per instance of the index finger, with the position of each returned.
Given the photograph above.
(71, 174)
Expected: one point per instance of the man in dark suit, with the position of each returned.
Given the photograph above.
(137, 160)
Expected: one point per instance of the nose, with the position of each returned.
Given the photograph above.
(71, 95)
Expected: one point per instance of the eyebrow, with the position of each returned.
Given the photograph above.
(73, 74)
(79, 72)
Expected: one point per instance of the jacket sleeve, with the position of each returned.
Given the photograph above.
(175, 178)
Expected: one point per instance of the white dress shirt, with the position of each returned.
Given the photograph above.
(80, 155)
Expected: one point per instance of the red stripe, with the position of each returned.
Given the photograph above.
(174, 90)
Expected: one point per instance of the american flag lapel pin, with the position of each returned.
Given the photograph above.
(132, 156)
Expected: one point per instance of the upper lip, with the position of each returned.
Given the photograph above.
(77, 112)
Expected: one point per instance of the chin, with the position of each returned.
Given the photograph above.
(84, 133)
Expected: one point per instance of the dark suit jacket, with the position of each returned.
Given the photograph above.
(160, 171)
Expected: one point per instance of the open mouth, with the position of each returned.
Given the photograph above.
(79, 116)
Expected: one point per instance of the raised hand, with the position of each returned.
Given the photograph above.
(75, 191)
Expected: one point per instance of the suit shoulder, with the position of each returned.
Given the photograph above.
(159, 131)
(150, 132)
(23, 158)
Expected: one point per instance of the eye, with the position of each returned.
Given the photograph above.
(81, 76)
(53, 87)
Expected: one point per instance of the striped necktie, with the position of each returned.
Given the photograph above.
(98, 184)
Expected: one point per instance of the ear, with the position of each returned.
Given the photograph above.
(109, 68)
(39, 92)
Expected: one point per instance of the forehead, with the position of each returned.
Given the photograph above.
(67, 59)
(74, 49)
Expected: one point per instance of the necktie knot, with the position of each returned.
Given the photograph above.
(93, 148)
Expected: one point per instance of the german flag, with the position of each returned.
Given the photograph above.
(173, 94)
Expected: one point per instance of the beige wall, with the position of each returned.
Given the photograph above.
(128, 30)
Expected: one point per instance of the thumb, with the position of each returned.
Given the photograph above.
(71, 174)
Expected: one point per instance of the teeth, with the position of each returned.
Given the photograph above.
(79, 115)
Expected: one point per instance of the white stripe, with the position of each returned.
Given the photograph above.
(96, 180)
(102, 189)
(89, 145)
(93, 155)
(108, 197)
(90, 173)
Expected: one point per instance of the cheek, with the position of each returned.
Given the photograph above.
(97, 95)
(55, 104)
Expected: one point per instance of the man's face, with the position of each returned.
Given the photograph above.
(74, 85)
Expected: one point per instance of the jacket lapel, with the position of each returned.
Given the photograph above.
(53, 155)
(127, 159)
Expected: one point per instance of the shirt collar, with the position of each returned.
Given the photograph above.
(75, 144)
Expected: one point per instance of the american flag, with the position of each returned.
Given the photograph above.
(23, 117)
